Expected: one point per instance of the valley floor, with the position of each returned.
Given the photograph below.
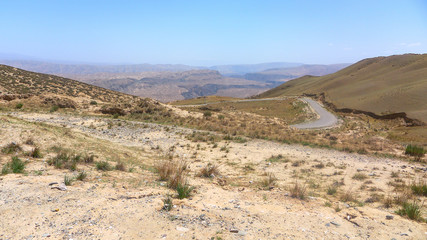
(235, 204)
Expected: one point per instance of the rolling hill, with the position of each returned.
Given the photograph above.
(45, 91)
(380, 85)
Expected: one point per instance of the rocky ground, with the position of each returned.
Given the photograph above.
(234, 204)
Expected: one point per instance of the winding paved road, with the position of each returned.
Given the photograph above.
(325, 120)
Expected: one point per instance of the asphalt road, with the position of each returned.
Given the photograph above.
(326, 119)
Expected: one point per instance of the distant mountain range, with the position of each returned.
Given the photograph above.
(169, 82)
(60, 68)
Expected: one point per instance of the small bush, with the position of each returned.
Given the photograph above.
(29, 141)
(209, 171)
(68, 180)
(299, 191)
(5, 170)
(17, 165)
(88, 158)
(207, 114)
(36, 153)
(269, 181)
(116, 115)
(93, 103)
(167, 203)
(360, 176)
(172, 171)
(277, 158)
(332, 190)
(411, 210)
(184, 190)
(103, 166)
(11, 148)
(319, 166)
(348, 196)
(415, 151)
(419, 188)
(121, 166)
(394, 174)
(65, 160)
(19, 105)
(54, 108)
(81, 176)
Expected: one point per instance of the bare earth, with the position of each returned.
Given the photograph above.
(127, 205)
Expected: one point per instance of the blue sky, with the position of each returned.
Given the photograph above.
(212, 32)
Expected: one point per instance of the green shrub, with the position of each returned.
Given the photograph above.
(207, 114)
(17, 165)
(411, 210)
(93, 103)
(68, 180)
(103, 166)
(415, 151)
(54, 108)
(167, 203)
(184, 191)
(65, 160)
(19, 105)
(419, 188)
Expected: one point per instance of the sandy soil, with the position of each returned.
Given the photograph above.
(234, 205)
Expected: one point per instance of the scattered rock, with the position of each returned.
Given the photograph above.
(389, 217)
(182, 229)
(233, 230)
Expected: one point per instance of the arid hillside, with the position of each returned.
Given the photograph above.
(381, 85)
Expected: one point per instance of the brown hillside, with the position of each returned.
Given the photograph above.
(380, 85)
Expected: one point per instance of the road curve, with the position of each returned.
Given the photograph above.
(326, 119)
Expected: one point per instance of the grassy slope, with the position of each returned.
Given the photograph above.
(18, 81)
(380, 85)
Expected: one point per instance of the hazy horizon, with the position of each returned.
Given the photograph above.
(206, 33)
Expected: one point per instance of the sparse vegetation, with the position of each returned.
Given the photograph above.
(68, 180)
(121, 166)
(103, 166)
(167, 203)
(19, 105)
(11, 148)
(332, 189)
(81, 176)
(16, 165)
(269, 181)
(411, 210)
(415, 151)
(298, 191)
(209, 171)
(184, 190)
(360, 176)
(173, 172)
(419, 188)
(277, 158)
(35, 153)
